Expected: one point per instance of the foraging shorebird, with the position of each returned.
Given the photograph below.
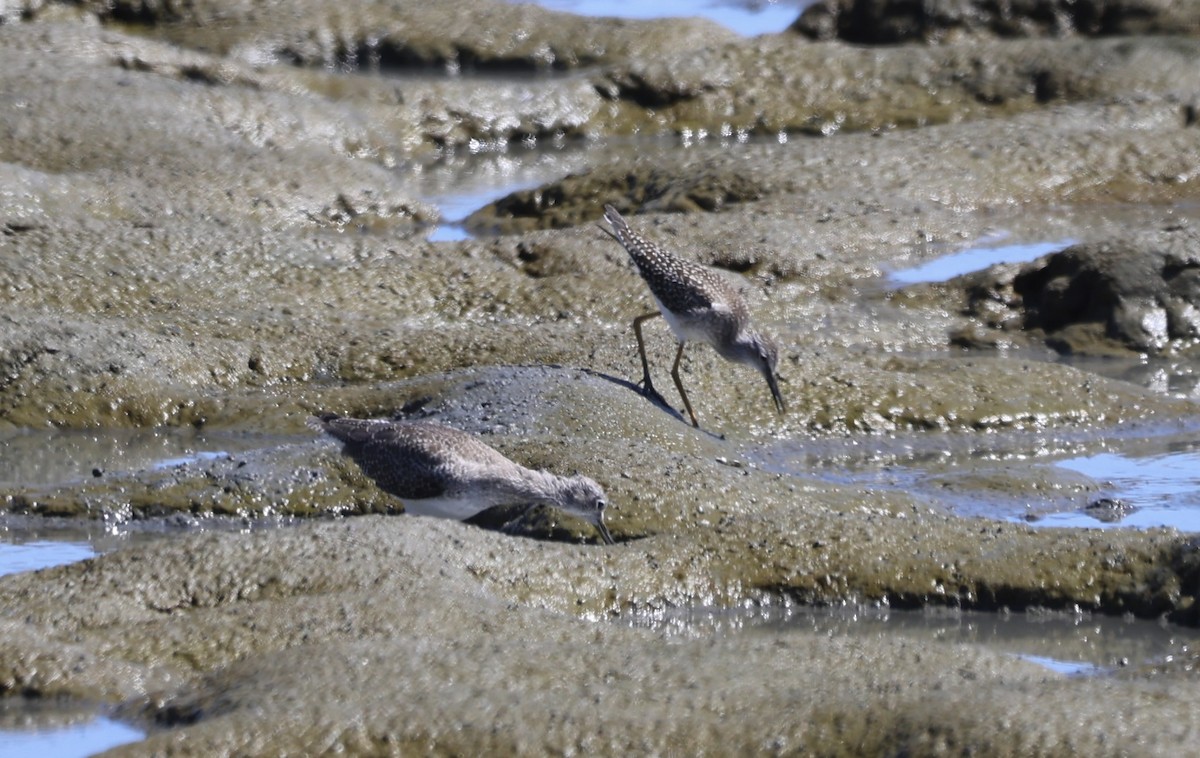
(698, 304)
(438, 471)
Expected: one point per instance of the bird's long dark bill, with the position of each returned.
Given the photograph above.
(604, 534)
(775, 393)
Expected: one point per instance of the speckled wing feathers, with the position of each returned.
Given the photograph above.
(411, 460)
(688, 289)
(399, 467)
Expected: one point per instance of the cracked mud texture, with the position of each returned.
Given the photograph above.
(192, 236)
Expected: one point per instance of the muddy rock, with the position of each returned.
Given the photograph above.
(1141, 293)
(678, 76)
(217, 643)
(876, 22)
(457, 36)
(192, 235)
(912, 175)
(146, 115)
(726, 91)
(216, 640)
(12, 11)
(204, 636)
(604, 427)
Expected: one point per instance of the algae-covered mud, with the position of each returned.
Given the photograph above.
(214, 223)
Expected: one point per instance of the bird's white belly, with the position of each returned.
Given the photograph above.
(684, 331)
(457, 508)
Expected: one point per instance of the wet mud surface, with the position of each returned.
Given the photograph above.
(209, 227)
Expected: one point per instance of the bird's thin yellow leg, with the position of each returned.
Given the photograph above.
(679, 385)
(647, 385)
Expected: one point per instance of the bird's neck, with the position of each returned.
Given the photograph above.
(529, 486)
(742, 349)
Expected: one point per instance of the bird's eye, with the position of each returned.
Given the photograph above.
(600, 504)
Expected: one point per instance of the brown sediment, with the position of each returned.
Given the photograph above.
(195, 238)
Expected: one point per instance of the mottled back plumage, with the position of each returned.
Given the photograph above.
(693, 294)
(410, 459)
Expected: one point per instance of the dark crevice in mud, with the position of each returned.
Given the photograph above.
(12, 228)
(20, 359)
(577, 199)
(176, 714)
(738, 264)
(390, 56)
(1185, 563)
(635, 89)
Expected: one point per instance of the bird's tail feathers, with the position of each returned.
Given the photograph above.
(344, 429)
(620, 229)
(319, 422)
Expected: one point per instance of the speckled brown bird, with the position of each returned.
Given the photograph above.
(438, 471)
(699, 305)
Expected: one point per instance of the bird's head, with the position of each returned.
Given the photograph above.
(584, 497)
(762, 353)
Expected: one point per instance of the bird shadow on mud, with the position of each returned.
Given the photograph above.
(652, 396)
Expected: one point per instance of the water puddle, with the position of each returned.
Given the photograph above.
(1136, 476)
(18, 557)
(36, 458)
(45, 457)
(975, 259)
(29, 728)
(31, 543)
(1143, 491)
(1067, 644)
(749, 18)
(1176, 376)
(1066, 668)
(460, 184)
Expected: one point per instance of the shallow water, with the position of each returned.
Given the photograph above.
(90, 738)
(18, 557)
(40, 457)
(1136, 476)
(1143, 490)
(1067, 644)
(31, 543)
(52, 730)
(746, 18)
(1175, 376)
(975, 258)
(35, 458)
(460, 184)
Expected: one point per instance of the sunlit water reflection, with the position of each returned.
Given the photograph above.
(58, 730)
(747, 17)
(1137, 477)
(16, 557)
(38, 457)
(45, 458)
(976, 258)
(1068, 644)
(1139, 491)
(461, 184)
